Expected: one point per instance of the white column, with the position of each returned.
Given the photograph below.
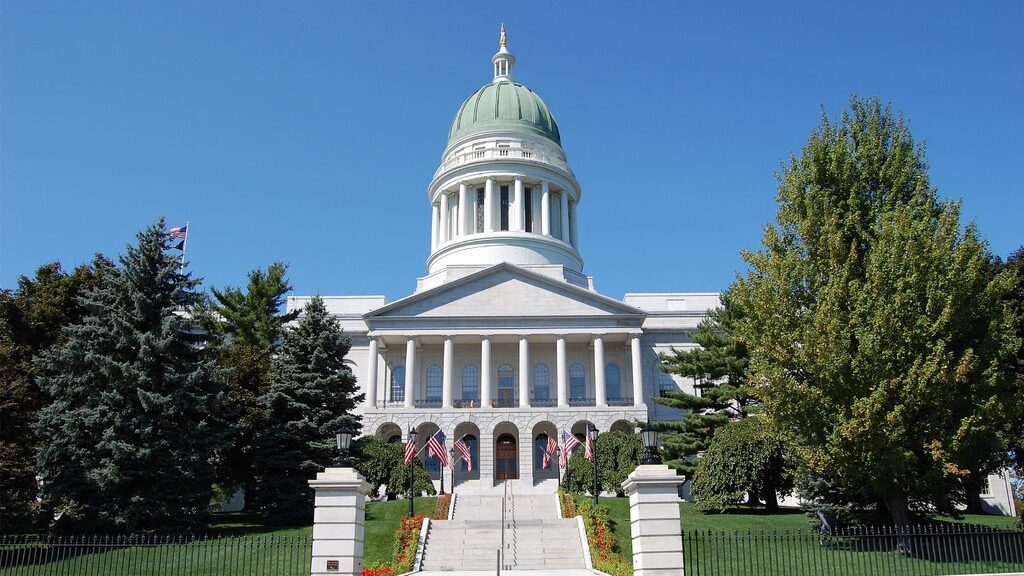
(446, 380)
(339, 511)
(485, 372)
(434, 215)
(638, 372)
(465, 209)
(519, 205)
(524, 372)
(410, 370)
(442, 235)
(489, 205)
(455, 220)
(654, 520)
(600, 387)
(545, 209)
(535, 208)
(574, 237)
(565, 216)
(562, 371)
(371, 375)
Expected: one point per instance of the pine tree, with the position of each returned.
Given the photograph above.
(879, 338)
(312, 393)
(719, 366)
(249, 325)
(133, 418)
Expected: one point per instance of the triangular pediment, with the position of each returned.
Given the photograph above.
(505, 290)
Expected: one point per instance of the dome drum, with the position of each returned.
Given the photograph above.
(518, 247)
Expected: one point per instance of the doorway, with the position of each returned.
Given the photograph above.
(505, 458)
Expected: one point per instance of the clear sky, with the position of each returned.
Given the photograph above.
(308, 131)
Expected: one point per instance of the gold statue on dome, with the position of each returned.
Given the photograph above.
(504, 40)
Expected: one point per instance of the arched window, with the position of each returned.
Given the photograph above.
(612, 382)
(540, 445)
(398, 384)
(577, 382)
(474, 453)
(541, 382)
(434, 383)
(665, 382)
(470, 383)
(506, 386)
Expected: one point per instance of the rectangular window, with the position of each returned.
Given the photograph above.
(479, 210)
(504, 207)
(528, 209)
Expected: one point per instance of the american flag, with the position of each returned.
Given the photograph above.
(410, 451)
(179, 232)
(467, 457)
(549, 451)
(588, 449)
(436, 448)
(569, 443)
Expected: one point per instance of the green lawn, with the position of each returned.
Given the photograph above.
(241, 545)
(741, 542)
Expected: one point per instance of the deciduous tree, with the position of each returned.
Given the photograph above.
(878, 338)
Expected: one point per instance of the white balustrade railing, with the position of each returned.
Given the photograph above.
(472, 156)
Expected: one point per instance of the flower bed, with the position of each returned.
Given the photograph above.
(407, 539)
(568, 507)
(441, 512)
(603, 550)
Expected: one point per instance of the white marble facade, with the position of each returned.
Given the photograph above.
(505, 339)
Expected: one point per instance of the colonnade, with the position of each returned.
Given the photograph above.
(487, 391)
(454, 214)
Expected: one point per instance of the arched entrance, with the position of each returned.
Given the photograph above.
(506, 458)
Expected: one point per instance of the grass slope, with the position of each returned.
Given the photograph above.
(732, 551)
(242, 545)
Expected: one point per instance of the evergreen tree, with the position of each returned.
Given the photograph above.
(249, 325)
(879, 339)
(31, 318)
(133, 418)
(312, 393)
(719, 367)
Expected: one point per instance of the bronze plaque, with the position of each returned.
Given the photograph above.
(332, 566)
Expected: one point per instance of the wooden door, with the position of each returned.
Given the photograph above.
(505, 461)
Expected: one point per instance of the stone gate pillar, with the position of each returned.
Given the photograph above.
(338, 515)
(653, 491)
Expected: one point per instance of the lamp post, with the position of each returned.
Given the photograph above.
(412, 470)
(649, 435)
(592, 432)
(343, 438)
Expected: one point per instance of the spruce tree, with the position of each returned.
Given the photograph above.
(133, 418)
(312, 393)
(723, 394)
(31, 320)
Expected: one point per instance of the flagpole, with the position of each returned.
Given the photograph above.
(184, 247)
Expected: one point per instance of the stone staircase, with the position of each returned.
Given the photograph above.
(535, 538)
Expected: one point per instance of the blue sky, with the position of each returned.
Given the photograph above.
(308, 131)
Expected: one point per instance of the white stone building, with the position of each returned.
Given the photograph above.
(505, 340)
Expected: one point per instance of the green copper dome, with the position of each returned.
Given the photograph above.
(506, 106)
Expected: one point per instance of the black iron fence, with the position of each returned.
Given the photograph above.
(250, 555)
(884, 551)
